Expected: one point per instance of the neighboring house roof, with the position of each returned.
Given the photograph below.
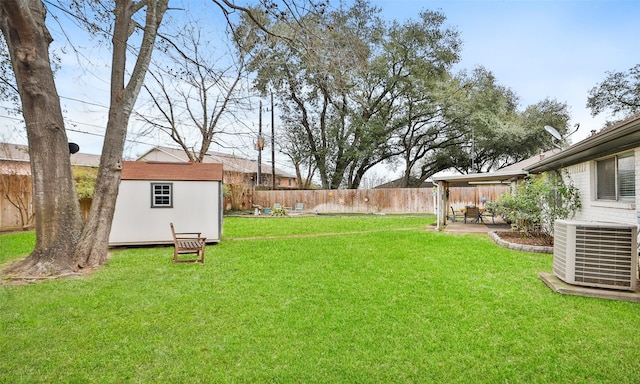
(519, 166)
(617, 138)
(85, 159)
(14, 152)
(17, 152)
(141, 170)
(231, 163)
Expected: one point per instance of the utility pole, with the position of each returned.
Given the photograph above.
(259, 146)
(273, 149)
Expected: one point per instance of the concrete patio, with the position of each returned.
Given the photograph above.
(488, 226)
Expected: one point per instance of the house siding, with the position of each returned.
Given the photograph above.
(583, 177)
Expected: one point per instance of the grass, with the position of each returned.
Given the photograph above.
(269, 226)
(376, 306)
(15, 244)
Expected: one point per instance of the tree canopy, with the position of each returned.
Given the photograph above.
(342, 76)
(357, 91)
(618, 93)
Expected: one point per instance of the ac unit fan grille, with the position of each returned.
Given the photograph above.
(560, 250)
(603, 256)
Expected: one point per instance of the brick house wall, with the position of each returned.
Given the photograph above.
(583, 176)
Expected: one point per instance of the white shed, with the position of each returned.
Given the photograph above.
(153, 194)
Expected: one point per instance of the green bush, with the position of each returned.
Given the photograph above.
(538, 202)
(279, 211)
(85, 178)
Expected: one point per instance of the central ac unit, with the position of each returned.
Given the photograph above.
(596, 254)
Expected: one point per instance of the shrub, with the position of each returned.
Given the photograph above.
(538, 202)
(85, 178)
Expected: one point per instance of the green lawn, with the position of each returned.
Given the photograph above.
(378, 306)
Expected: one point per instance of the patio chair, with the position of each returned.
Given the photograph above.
(473, 214)
(188, 243)
(299, 207)
(487, 213)
(453, 217)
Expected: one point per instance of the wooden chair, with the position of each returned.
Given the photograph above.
(299, 207)
(188, 243)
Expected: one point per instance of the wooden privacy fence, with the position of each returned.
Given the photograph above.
(409, 200)
(460, 197)
(16, 202)
(391, 200)
(242, 197)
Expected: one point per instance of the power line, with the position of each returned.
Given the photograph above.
(243, 151)
(81, 131)
(84, 102)
(282, 166)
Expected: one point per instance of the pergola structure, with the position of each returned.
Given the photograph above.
(505, 176)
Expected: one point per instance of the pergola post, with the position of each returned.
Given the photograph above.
(442, 204)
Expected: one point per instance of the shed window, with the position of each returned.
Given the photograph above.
(616, 178)
(161, 195)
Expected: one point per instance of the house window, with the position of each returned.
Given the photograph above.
(161, 195)
(616, 178)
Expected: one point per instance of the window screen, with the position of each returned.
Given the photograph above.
(626, 178)
(161, 195)
(615, 178)
(606, 179)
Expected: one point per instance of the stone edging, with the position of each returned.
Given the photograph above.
(519, 247)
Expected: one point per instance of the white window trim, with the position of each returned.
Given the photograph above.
(153, 196)
(618, 202)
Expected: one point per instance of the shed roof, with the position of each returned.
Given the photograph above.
(14, 152)
(141, 170)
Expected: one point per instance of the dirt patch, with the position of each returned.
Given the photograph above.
(525, 239)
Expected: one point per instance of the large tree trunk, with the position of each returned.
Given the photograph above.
(56, 207)
(63, 245)
(92, 249)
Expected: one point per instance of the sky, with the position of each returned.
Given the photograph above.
(556, 49)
